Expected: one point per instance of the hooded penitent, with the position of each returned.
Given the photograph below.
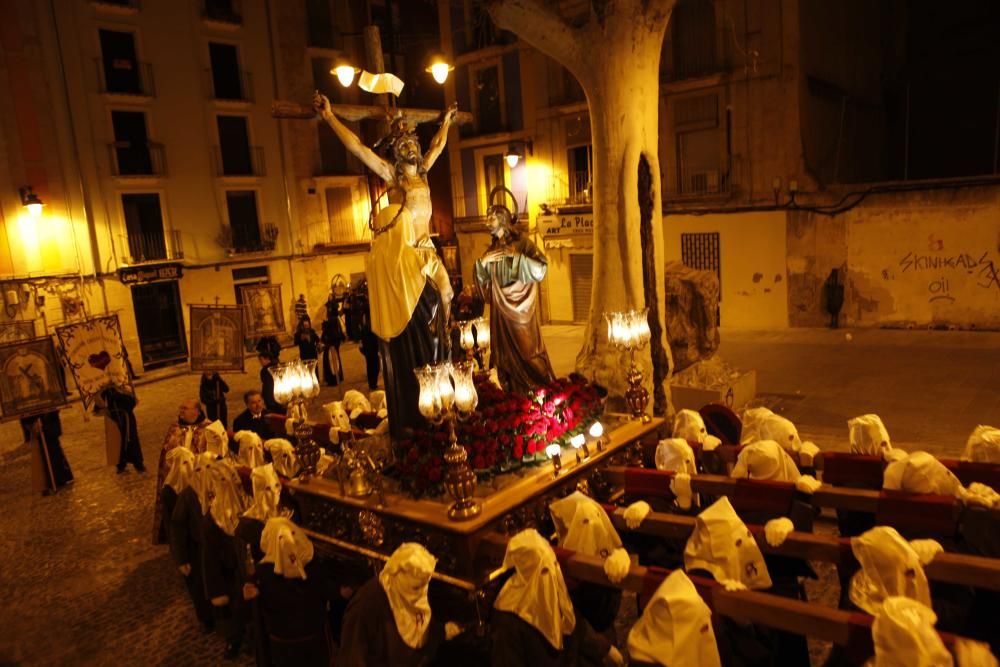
(765, 459)
(781, 430)
(286, 463)
(266, 493)
(889, 567)
(355, 403)
(920, 472)
(228, 503)
(689, 425)
(251, 452)
(590, 532)
(338, 416)
(868, 435)
(752, 419)
(216, 439)
(983, 445)
(536, 593)
(180, 468)
(722, 545)
(378, 404)
(904, 635)
(405, 579)
(200, 481)
(676, 455)
(564, 511)
(675, 629)
(286, 547)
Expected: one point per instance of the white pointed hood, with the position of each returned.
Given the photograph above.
(286, 463)
(355, 403)
(338, 415)
(781, 430)
(676, 455)
(266, 493)
(201, 482)
(904, 636)
(868, 435)
(983, 445)
(228, 500)
(752, 420)
(583, 525)
(286, 547)
(251, 452)
(180, 468)
(216, 439)
(722, 545)
(675, 629)
(536, 592)
(405, 580)
(889, 567)
(689, 426)
(765, 459)
(920, 472)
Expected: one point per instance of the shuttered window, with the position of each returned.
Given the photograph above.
(581, 275)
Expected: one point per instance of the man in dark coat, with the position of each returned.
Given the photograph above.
(119, 406)
(187, 537)
(55, 467)
(253, 419)
(212, 393)
(267, 383)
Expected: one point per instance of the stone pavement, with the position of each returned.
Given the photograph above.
(82, 585)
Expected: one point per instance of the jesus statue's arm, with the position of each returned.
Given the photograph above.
(351, 141)
(441, 138)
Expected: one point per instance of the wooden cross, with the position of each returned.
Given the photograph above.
(355, 112)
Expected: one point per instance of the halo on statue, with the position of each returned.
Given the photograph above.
(503, 191)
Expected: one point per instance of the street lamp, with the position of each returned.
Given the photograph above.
(439, 68)
(31, 201)
(629, 331)
(344, 71)
(294, 384)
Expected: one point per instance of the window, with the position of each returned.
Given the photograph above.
(699, 146)
(119, 63)
(144, 227)
(581, 276)
(227, 79)
(225, 11)
(235, 157)
(334, 158)
(493, 174)
(243, 221)
(319, 24)
(344, 225)
(580, 166)
(131, 147)
(692, 27)
(486, 93)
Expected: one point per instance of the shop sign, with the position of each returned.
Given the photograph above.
(568, 224)
(137, 275)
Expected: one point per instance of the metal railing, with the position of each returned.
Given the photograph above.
(240, 90)
(249, 239)
(222, 11)
(152, 247)
(142, 159)
(240, 163)
(678, 63)
(122, 76)
(474, 207)
(694, 183)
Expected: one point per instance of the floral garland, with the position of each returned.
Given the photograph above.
(506, 431)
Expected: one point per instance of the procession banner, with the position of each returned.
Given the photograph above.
(96, 356)
(31, 378)
(216, 338)
(16, 331)
(262, 308)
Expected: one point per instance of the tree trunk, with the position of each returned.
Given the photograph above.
(616, 58)
(624, 109)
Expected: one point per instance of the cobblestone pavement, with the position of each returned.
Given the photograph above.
(82, 585)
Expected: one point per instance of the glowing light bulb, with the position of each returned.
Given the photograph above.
(596, 430)
(440, 72)
(512, 159)
(345, 74)
(34, 210)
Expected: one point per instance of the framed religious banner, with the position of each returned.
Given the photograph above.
(31, 378)
(263, 310)
(96, 356)
(16, 331)
(216, 338)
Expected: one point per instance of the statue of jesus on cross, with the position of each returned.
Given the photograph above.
(408, 286)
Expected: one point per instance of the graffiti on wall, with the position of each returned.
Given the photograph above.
(944, 266)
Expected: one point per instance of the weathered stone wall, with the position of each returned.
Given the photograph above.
(927, 258)
(692, 300)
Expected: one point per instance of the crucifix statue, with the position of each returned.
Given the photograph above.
(408, 286)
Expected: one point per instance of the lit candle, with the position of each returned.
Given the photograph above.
(596, 430)
(554, 452)
(578, 441)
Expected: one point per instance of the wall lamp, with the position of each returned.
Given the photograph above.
(439, 68)
(516, 151)
(31, 201)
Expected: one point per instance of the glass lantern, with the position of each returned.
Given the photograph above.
(429, 402)
(466, 398)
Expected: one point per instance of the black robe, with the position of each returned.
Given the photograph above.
(120, 406)
(222, 577)
(267, 391)
(51, 450)
(308, 343)
(245, 421)
(212, 393)
(518, 644)
(186, 538)
(369, 636)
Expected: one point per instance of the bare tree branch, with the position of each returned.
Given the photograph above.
(543, 28)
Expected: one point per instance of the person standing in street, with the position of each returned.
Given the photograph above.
(120, 406)
(47, 428)
(212, 393)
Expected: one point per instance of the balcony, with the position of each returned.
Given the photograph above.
(224, 14)
(239, 89)
(116, 6)
(249, 163)
(130, 160)
(121, 76)
(693, 58)
(145, 248)
(701, 183)
(248, 239)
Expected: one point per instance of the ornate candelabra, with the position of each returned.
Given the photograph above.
(294, 384)
(475, 335)
(447, 393)
(629, 331)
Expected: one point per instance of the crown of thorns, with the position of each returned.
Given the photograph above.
(398, 129)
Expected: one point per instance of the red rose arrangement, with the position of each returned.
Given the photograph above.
(507, 430)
